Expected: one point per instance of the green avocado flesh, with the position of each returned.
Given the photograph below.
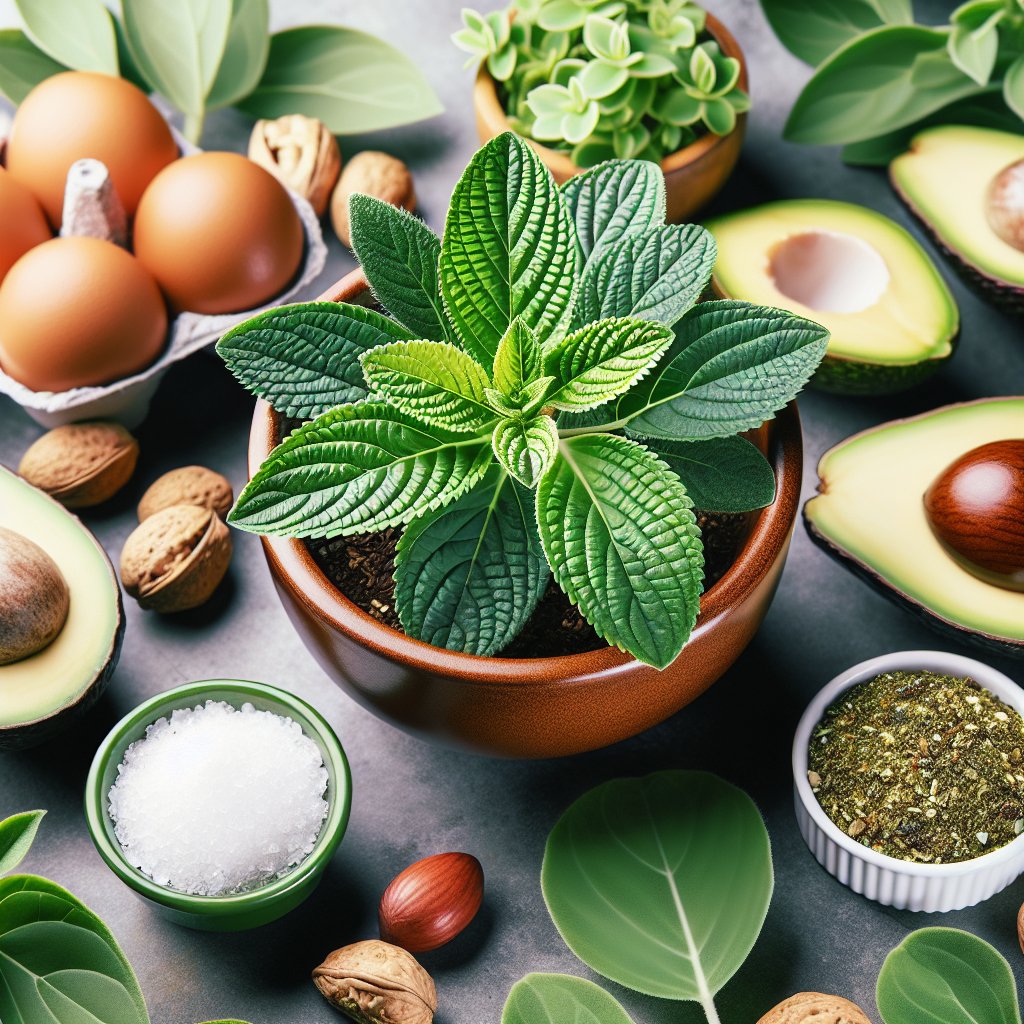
(870, 514)
(944, 178)
(65, 675)
(892, 318)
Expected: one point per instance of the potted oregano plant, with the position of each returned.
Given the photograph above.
(544, 400)
(592, 80)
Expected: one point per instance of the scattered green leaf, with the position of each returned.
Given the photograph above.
(22, 65)
(76, 33)
(245, 53)
(558, 998)
(16, 836)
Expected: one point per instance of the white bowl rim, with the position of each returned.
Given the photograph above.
(940, 662)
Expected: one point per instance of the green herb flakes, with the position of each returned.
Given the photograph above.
(921, 767)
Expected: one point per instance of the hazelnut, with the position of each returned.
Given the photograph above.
(176, 558)
(34, 597)
(81, 464)
(376, 983)
(374, 174)
(815, 1008)
(431, 901)
(301, 153)
(190, 485)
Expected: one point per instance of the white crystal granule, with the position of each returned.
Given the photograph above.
(216, 800)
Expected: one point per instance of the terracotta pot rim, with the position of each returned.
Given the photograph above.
(485, 98)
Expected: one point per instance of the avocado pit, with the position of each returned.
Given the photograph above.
(975, 508)
(34, 597)
(1004, 205)
(829, 271)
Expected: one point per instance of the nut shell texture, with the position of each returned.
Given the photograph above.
(81, 464)
(374, 174)
(377, 983)
(176, 558)
(815, 1008)
(431, 901)
(189, 485)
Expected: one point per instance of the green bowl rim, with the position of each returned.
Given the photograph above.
(331, 832)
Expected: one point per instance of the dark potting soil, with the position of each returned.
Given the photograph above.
(362, 568)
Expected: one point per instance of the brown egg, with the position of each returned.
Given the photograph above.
(81, 114)
(22, 222)
(78, 311)
(219, 234)
(976, 509)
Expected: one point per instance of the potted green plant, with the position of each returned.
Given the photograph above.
(545, 400)
(591, 80)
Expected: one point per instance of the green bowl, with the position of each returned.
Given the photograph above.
(245, 910)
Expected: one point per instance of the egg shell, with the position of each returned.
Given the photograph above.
(76, 312)
(80, 114)
(22, 222)
(219, 233)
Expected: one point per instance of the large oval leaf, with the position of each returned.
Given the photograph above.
(77, 33)
(245, 53)
(661, 883)
(350, 80)
(561, 999)
(16, 835)
(468, 576)
(509, 249)
(621, 538)
(945, 976)
(23, 65)
(356, 469)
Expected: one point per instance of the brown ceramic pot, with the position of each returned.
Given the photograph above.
(536, 707)
(693, 175)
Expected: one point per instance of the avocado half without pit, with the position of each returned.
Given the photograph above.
(967, 187)
(61, 618)
(931, 511)
(893, 320)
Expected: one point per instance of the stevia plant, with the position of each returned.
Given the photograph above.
(544, 397)
(605, 79)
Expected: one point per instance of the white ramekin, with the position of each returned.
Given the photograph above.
(888, 880)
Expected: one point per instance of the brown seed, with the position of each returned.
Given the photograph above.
(189, 485)
(431, 901)
(34, 597)
(815, 1008)
(374, 174)
(1005, 205)
(857, 826)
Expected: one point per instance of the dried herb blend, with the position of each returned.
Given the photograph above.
(921, 767)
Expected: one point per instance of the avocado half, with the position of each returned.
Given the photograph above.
(944, 178)
(45, 692)
(892, 317)
(870, 515)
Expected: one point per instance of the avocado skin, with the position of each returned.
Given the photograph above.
(950, 630)
(840, 376)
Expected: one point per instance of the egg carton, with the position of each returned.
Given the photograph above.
(127, 400)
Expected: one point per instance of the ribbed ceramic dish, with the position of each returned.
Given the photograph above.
(888, 880)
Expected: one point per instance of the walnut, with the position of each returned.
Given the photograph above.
(301, 153)
(815, 1008)
(374, 982)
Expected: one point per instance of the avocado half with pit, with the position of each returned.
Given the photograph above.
(870, 514)
(948, 179)
(47, 690)
(892, 317)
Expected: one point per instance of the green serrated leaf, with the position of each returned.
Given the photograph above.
(946, 976)
(525, 446)
(622, 541)
(508, 250)
(530, 398)
(350, 80)
(304, 358)
(399, 254)
(468, 576)
(16, 836)
(23, 65)
(731, 367)
(357, 469)
(721, 474)
(603, 360)
(544, 998)
(431, 380)
(613, 200)
(75, 33)
(245, 53)
(518, 361)
(657, 274)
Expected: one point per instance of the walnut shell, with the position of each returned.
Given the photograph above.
(81, 464)
(376, 983)
(176, 558)
(815, 1008)
(301, 153)
(374, 174)
(189, 485)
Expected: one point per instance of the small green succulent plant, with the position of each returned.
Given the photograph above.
(607, 79)
(545, 397)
